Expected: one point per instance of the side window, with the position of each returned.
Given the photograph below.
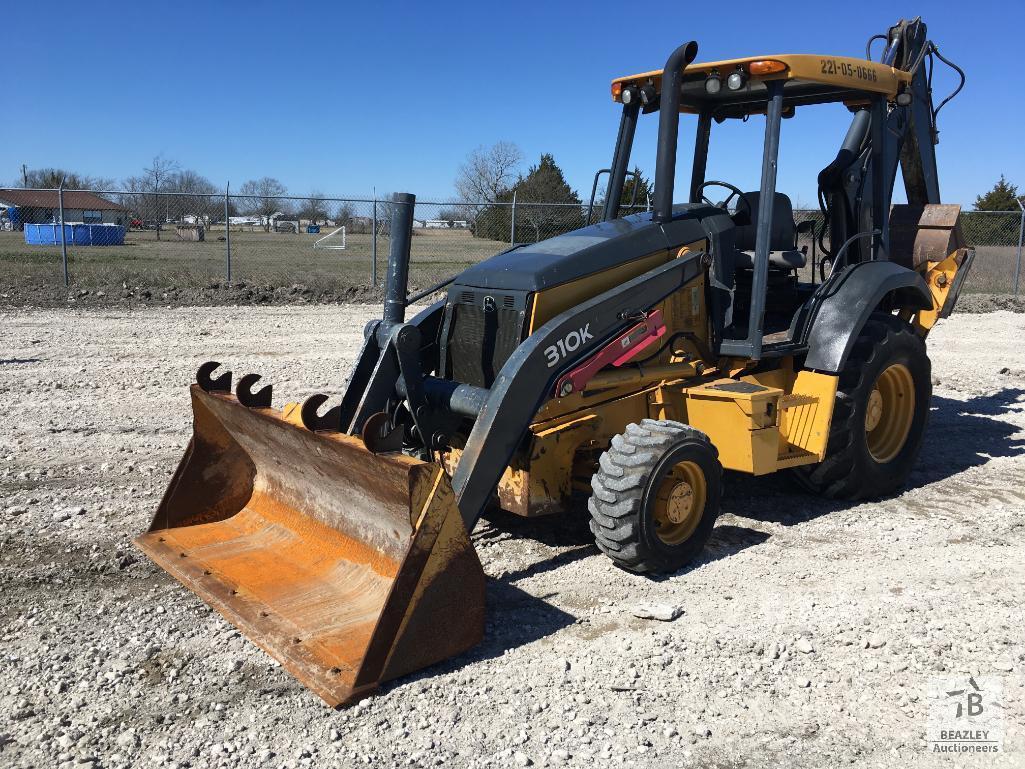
(92, 217)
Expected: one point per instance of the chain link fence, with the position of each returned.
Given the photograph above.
(128, 241)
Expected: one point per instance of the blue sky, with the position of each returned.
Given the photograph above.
(345, 97)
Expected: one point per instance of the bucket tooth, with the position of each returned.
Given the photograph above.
(210, 384)
(261, 399)
(330, 420)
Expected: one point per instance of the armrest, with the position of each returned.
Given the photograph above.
(806, 226)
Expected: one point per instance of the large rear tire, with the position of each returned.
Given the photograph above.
(655, 496)
(879, 416)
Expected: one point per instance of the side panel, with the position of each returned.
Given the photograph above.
(842, 305)
(556, 300)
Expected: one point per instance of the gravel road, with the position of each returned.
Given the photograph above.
(809, 631)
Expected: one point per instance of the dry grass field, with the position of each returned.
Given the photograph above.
(271, 258)
(283, 260)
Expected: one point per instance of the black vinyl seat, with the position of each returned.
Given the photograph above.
(783, 253)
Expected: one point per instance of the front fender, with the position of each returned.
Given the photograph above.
(842, 305)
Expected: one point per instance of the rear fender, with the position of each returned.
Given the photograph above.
(841, 306)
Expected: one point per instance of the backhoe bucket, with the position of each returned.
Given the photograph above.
(347, 567)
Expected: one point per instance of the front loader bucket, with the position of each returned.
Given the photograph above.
(347, 567)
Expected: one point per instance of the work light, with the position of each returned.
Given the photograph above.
(736, 80)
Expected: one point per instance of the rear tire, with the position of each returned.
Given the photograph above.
(879, 415)
(655, 496)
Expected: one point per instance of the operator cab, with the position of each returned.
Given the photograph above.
(764, 269)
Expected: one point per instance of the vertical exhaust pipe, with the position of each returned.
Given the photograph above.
(397, 281)
(669, 128)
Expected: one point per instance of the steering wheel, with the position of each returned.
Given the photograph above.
(735, 192)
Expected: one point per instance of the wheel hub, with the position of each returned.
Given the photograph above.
(874, 411)
(679, 503)
(889, 412)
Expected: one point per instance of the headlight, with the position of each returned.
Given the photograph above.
(713, 84)
(736, 80)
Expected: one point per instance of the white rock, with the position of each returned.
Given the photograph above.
(663, 612)
(522, 759)
(804, 646)
(128, 739)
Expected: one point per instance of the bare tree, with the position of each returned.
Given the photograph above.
(261, 198)
(51, 177)
(386, 206)
(155, 178)
(158, 175)
(314, 207)
(450, 215)
(346, 213)
(199, 198)
(488, 172)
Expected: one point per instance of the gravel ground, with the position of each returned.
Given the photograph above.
(808, 635)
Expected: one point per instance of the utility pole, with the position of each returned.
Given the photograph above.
(24, 175)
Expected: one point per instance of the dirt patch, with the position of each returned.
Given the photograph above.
(215, 294)
(976, 303)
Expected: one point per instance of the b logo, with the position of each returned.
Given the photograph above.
(489, 304)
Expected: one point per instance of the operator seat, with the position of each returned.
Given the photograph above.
(783, 253)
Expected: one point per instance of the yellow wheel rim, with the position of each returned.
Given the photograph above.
(889, 412)
(679, 503)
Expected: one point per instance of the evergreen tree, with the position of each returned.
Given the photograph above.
(644, 191)
(545, 183)
(1002, 197)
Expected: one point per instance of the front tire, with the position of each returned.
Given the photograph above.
(879, 416)
(655, 496)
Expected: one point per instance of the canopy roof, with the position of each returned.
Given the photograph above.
(809, 79)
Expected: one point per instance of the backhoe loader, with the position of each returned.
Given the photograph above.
(628, 363)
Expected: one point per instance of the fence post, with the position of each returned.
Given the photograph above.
(64, 240)
(373, 246)
(512, 228)
(227, 235)
(1021, 232)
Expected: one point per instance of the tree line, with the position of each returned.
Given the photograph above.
(493, 177)
(145, 194)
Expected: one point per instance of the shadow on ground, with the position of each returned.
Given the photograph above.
(961, 434)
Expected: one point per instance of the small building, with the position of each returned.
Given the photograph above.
(42, 207)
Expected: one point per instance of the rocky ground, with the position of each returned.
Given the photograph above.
(809, 630)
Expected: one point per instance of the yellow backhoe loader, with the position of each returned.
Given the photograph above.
(637, 357)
